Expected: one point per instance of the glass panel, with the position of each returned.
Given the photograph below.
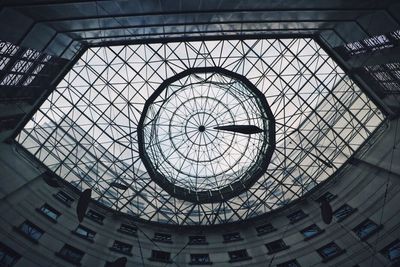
(199, 258)
(311, 231)
(50, 212)
(8, 257)
(343, 212)
(31, 230)
(86, 131)
(71, 254)
(392, 251)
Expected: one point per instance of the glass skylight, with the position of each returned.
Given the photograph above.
(87, 130)
(206, 134)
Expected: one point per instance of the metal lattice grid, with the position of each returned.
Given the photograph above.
(86, 131)
(20, 66)
(206, 135)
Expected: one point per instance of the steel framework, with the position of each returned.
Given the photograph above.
(86, 131)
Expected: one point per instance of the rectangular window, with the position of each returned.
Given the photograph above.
(276, 246)
(297, 216)
(160, 237)
(231, 237)
(343, 212)
(238, 255)
(387, 76)
(20, 62)
(197, 240)
(162, 256)
(265, 229)
(64, 198)
(95, 216)
(128, 229)
(30, 231)
(392, 251)
(200, 259)
(84, 233)
(311, 231)
(330, 251)
(396, 35)
(328, 196)
(366, 229)
(8, 257)
(121, 247)
(291, 263)
(49, 212)
(71, 254)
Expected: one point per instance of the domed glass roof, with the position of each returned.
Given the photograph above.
(206, 135)
(88, 129)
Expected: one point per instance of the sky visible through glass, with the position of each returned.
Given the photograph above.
(180, 136)
(86, 131)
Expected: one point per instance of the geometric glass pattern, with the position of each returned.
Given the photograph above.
(86, 131)
(182, 140)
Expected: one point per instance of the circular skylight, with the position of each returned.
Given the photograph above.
(206, 135)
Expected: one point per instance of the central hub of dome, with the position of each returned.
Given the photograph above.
(206, 135)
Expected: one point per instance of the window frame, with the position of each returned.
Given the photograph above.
(325, 257)
(243, 257)
(312, 226)
(122, 247)
(350, 212)
(231, 237)
(51, 210)
(279, 242)
(268, 228)
(154, 257)
(297, 216)
(8, 255)
(89, 231)
(66, 199)
(193, 262)
(385, 251)
(328, 196)
(68, 248)
(95, 216)
(162, 237)
(358, 229)
(25, 234)
(202, 242)
(123, 229)
(289, 264)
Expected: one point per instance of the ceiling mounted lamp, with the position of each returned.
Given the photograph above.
(119, 185)
(326, 211)
(244, 129)
(83, 204)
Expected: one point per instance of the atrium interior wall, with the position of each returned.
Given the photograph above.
(368, 182)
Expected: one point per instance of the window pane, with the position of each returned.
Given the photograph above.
(31, 230)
